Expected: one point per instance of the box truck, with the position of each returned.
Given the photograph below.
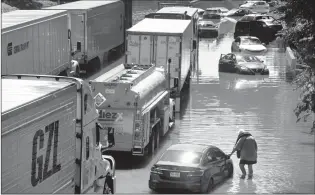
(97, 31)
(35, 42)
(159, 41)
(51, 140)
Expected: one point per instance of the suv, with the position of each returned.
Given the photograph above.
(265, 27)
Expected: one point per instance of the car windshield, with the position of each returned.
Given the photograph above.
(248, 59)
(209, 16)
(180, 156)
(251, 41)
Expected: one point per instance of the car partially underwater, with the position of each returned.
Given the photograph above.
(242, 64)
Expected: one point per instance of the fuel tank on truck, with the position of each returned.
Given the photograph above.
(120, 93)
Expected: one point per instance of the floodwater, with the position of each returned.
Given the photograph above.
(217, 105)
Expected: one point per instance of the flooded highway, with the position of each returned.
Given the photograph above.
(218, 104)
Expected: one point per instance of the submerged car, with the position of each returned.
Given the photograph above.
(242, 64)
(237, 13)
(212, 14)
(223, 9)
(256, 6)
(207, 27)
(248, 44)
(265, 20)
(193, 167)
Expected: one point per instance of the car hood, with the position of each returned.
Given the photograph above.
(252, 65)
(253, 47)
(177, 164)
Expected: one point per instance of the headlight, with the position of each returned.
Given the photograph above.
(243, 68)
(156, 170)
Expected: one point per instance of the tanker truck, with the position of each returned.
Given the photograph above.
(51, 140)
(134, 100)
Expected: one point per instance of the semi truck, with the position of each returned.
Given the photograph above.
(158, 41)
(51, 141)
(134, 100)
(97, 32)
(35, 42)
(178, 12)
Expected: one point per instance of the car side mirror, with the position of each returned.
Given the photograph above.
(264, 44)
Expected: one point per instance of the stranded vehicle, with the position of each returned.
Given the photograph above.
(242, 64)
(155, 41)
(35, 42)
(134, 100)
(97, 31)
(196, 167)
(50, 138)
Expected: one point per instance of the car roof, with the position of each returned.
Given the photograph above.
(248, 37)
(178, 10)
(190, 147)
(213, 8)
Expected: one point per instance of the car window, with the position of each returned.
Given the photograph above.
(219, 155)
(180, 156)
(210, 156)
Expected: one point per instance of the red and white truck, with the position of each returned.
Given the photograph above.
(50, 138)
(35, 42)
(135, 102)
(97, 31)
(156, 41)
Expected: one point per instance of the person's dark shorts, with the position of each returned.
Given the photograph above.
(247, 162)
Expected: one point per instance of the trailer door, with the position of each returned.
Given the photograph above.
(145, 50)
(161, 51)
(78, 32)
(133, 49)
(174, 54)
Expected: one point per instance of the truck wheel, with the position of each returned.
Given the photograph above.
(152, 144)
(157, 137)
(107, 189)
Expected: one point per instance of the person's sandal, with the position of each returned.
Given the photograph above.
(242, 176)
(250, 176)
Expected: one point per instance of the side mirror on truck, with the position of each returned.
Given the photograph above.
(194, 44)
(111, 137)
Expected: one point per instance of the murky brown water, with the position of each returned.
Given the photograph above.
(217, 104)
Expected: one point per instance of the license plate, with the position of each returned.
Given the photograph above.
(175, 174)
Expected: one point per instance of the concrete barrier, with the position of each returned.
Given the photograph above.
(291, 59)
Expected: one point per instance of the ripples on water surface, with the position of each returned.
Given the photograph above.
(218, 104)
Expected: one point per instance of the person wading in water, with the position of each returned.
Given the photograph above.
(246, 148)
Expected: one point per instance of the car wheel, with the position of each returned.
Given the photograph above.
(238, 71)
(230, 171)
(210, 185)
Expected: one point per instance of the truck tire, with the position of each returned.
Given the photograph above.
(157, 137)
(107, 189)
(152, 144)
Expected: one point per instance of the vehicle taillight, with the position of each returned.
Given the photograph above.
(196, 173)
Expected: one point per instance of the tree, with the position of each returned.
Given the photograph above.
(299, 16)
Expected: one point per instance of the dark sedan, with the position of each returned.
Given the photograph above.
(237, 13)
(192, 167)
(242, 64)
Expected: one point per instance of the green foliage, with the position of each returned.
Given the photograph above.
(299, 17)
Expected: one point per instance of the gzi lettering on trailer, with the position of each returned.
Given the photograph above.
(17, 48)
(40, 164)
